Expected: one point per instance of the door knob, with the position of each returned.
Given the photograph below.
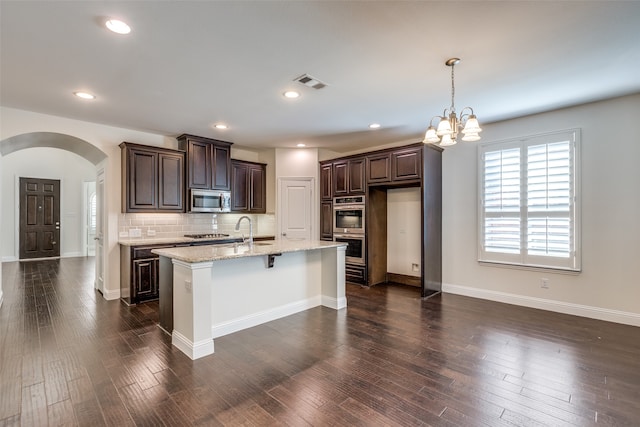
(284, 234)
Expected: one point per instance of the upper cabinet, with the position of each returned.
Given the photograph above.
(348, 177)
(326, 190)
(208, 162)
(394, 166)
(248, 187)
(152, 179)
(406, 164)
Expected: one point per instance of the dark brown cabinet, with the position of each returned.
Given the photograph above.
(406, 164)
(326, 221)
(208, 162)
(394, 166)
(348, 177)
(152, 179)
(248, 187)
(326, 190)
(374, 174)
(379, 168)
(139, 273)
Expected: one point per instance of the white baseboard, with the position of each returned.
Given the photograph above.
(335, 303)
(256, 319)
(191, 349)
(72, 255)
(608, 315)
(110, 295)
(9, 258)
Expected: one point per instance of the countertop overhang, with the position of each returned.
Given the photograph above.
(205, 253)
(179, 240)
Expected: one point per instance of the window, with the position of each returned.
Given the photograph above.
(529, 208)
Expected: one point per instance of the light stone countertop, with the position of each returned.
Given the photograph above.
(195, 254)
(177, 240)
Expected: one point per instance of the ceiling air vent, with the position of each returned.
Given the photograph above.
(309, 81)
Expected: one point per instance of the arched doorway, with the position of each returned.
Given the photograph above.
(39, 140)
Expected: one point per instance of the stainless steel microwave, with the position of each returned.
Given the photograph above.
(209, 201)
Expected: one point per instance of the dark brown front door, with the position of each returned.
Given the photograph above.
(39, 218)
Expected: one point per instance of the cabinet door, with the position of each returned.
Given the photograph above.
(379, 168)
(239, 187)
(326, 221)
(340, 178)
(326, 191)
(199, 164)
(171, 185)
(356, 176)
(221, 162)
(257, 189)
(145, 279)
(142, 180)
(406, 164)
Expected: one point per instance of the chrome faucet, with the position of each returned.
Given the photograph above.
(250, 229)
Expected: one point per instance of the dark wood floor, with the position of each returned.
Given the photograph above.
(68, 357)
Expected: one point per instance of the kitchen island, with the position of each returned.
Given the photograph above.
(220, 289)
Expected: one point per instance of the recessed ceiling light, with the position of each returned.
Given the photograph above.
(118, 27)
(374, 126)
(292, 94)
(221, 126)
(301, 145)
(84, 95)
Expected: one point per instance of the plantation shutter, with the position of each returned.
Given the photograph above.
(528, 201)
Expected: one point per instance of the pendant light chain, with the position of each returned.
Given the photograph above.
(453, 90)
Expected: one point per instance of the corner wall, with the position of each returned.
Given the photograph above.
(608, 286)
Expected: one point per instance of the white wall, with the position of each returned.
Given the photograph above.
(404, 230)
(106, 138)
(609, 285)
(300, 162)
(48, 163)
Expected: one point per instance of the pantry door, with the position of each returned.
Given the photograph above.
(39, 218)
(295, 208)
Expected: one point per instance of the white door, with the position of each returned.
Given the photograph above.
(296, 208)
(99, 237)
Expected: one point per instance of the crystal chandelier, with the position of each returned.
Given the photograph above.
(449, 124)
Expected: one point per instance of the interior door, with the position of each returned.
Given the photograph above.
(99, 233)
(295, 209)
(39, 218)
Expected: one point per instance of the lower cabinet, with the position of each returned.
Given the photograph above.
(139, 273)
(145, 279)
(326, 221)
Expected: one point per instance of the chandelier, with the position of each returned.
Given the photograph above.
(449, 125)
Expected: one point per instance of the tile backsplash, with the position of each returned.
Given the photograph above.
(167, 225)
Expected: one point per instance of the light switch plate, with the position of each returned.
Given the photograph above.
(135, 232)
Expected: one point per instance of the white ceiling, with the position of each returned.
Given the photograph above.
(190, 64)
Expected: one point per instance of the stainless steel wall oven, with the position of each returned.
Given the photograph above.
(349, 215)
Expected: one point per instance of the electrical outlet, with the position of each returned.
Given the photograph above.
(415, 267)
(187, 286)
(544, 283)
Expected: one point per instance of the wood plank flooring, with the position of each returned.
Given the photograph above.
(68, 357)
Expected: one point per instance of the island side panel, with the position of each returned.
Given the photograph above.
(334, 278)
(192, 308)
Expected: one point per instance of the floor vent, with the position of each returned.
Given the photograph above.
(309, 81)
